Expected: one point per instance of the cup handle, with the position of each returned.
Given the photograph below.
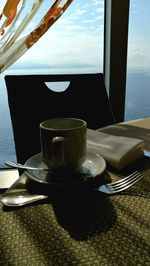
(58, 149)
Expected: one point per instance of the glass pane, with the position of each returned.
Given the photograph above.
(138, 72)
(74, 44)
(7, 148)
(23, 23)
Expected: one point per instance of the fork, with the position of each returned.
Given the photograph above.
(120, 185)
(111, 188)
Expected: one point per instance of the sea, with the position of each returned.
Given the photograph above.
(137, 104)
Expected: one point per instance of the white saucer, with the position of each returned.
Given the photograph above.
(92, 168)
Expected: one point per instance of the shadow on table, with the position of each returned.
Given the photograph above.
(83, 211)
(85, 214)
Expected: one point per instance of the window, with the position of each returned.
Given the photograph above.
(138, 72)
(74, 44)
(115, 53)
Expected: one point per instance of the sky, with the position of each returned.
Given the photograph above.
(139, 35)
(76, 39)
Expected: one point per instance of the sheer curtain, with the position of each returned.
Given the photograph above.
(19, 30)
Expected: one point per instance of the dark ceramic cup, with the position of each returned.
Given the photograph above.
(63, 143)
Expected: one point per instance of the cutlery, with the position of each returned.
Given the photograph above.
(25, 167)
(19, 200)
(120, 185)
(111, 188)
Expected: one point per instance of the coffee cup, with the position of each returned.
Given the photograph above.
(63, 143)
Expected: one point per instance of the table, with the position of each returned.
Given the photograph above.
(85, 229)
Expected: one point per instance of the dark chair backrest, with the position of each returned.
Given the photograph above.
(31, 101)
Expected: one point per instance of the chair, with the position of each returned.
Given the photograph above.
(31, 101)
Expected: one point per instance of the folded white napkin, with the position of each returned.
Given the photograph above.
(118, 151)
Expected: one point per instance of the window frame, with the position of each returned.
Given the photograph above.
(116, 24)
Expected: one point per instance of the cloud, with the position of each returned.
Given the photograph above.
(138, 53)
(55, 50)
(76, 38)
(97, 2)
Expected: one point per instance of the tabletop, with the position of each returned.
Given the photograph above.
(83, 227)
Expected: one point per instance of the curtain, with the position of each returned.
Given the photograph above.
(22, 24)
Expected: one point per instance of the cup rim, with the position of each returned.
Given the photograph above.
(83, 123)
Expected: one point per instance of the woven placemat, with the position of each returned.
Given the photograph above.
(89, 229)
(80, 228)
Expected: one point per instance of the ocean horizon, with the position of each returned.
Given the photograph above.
(137, 101)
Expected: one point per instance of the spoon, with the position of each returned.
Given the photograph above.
(23, 166)
(20, 200)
